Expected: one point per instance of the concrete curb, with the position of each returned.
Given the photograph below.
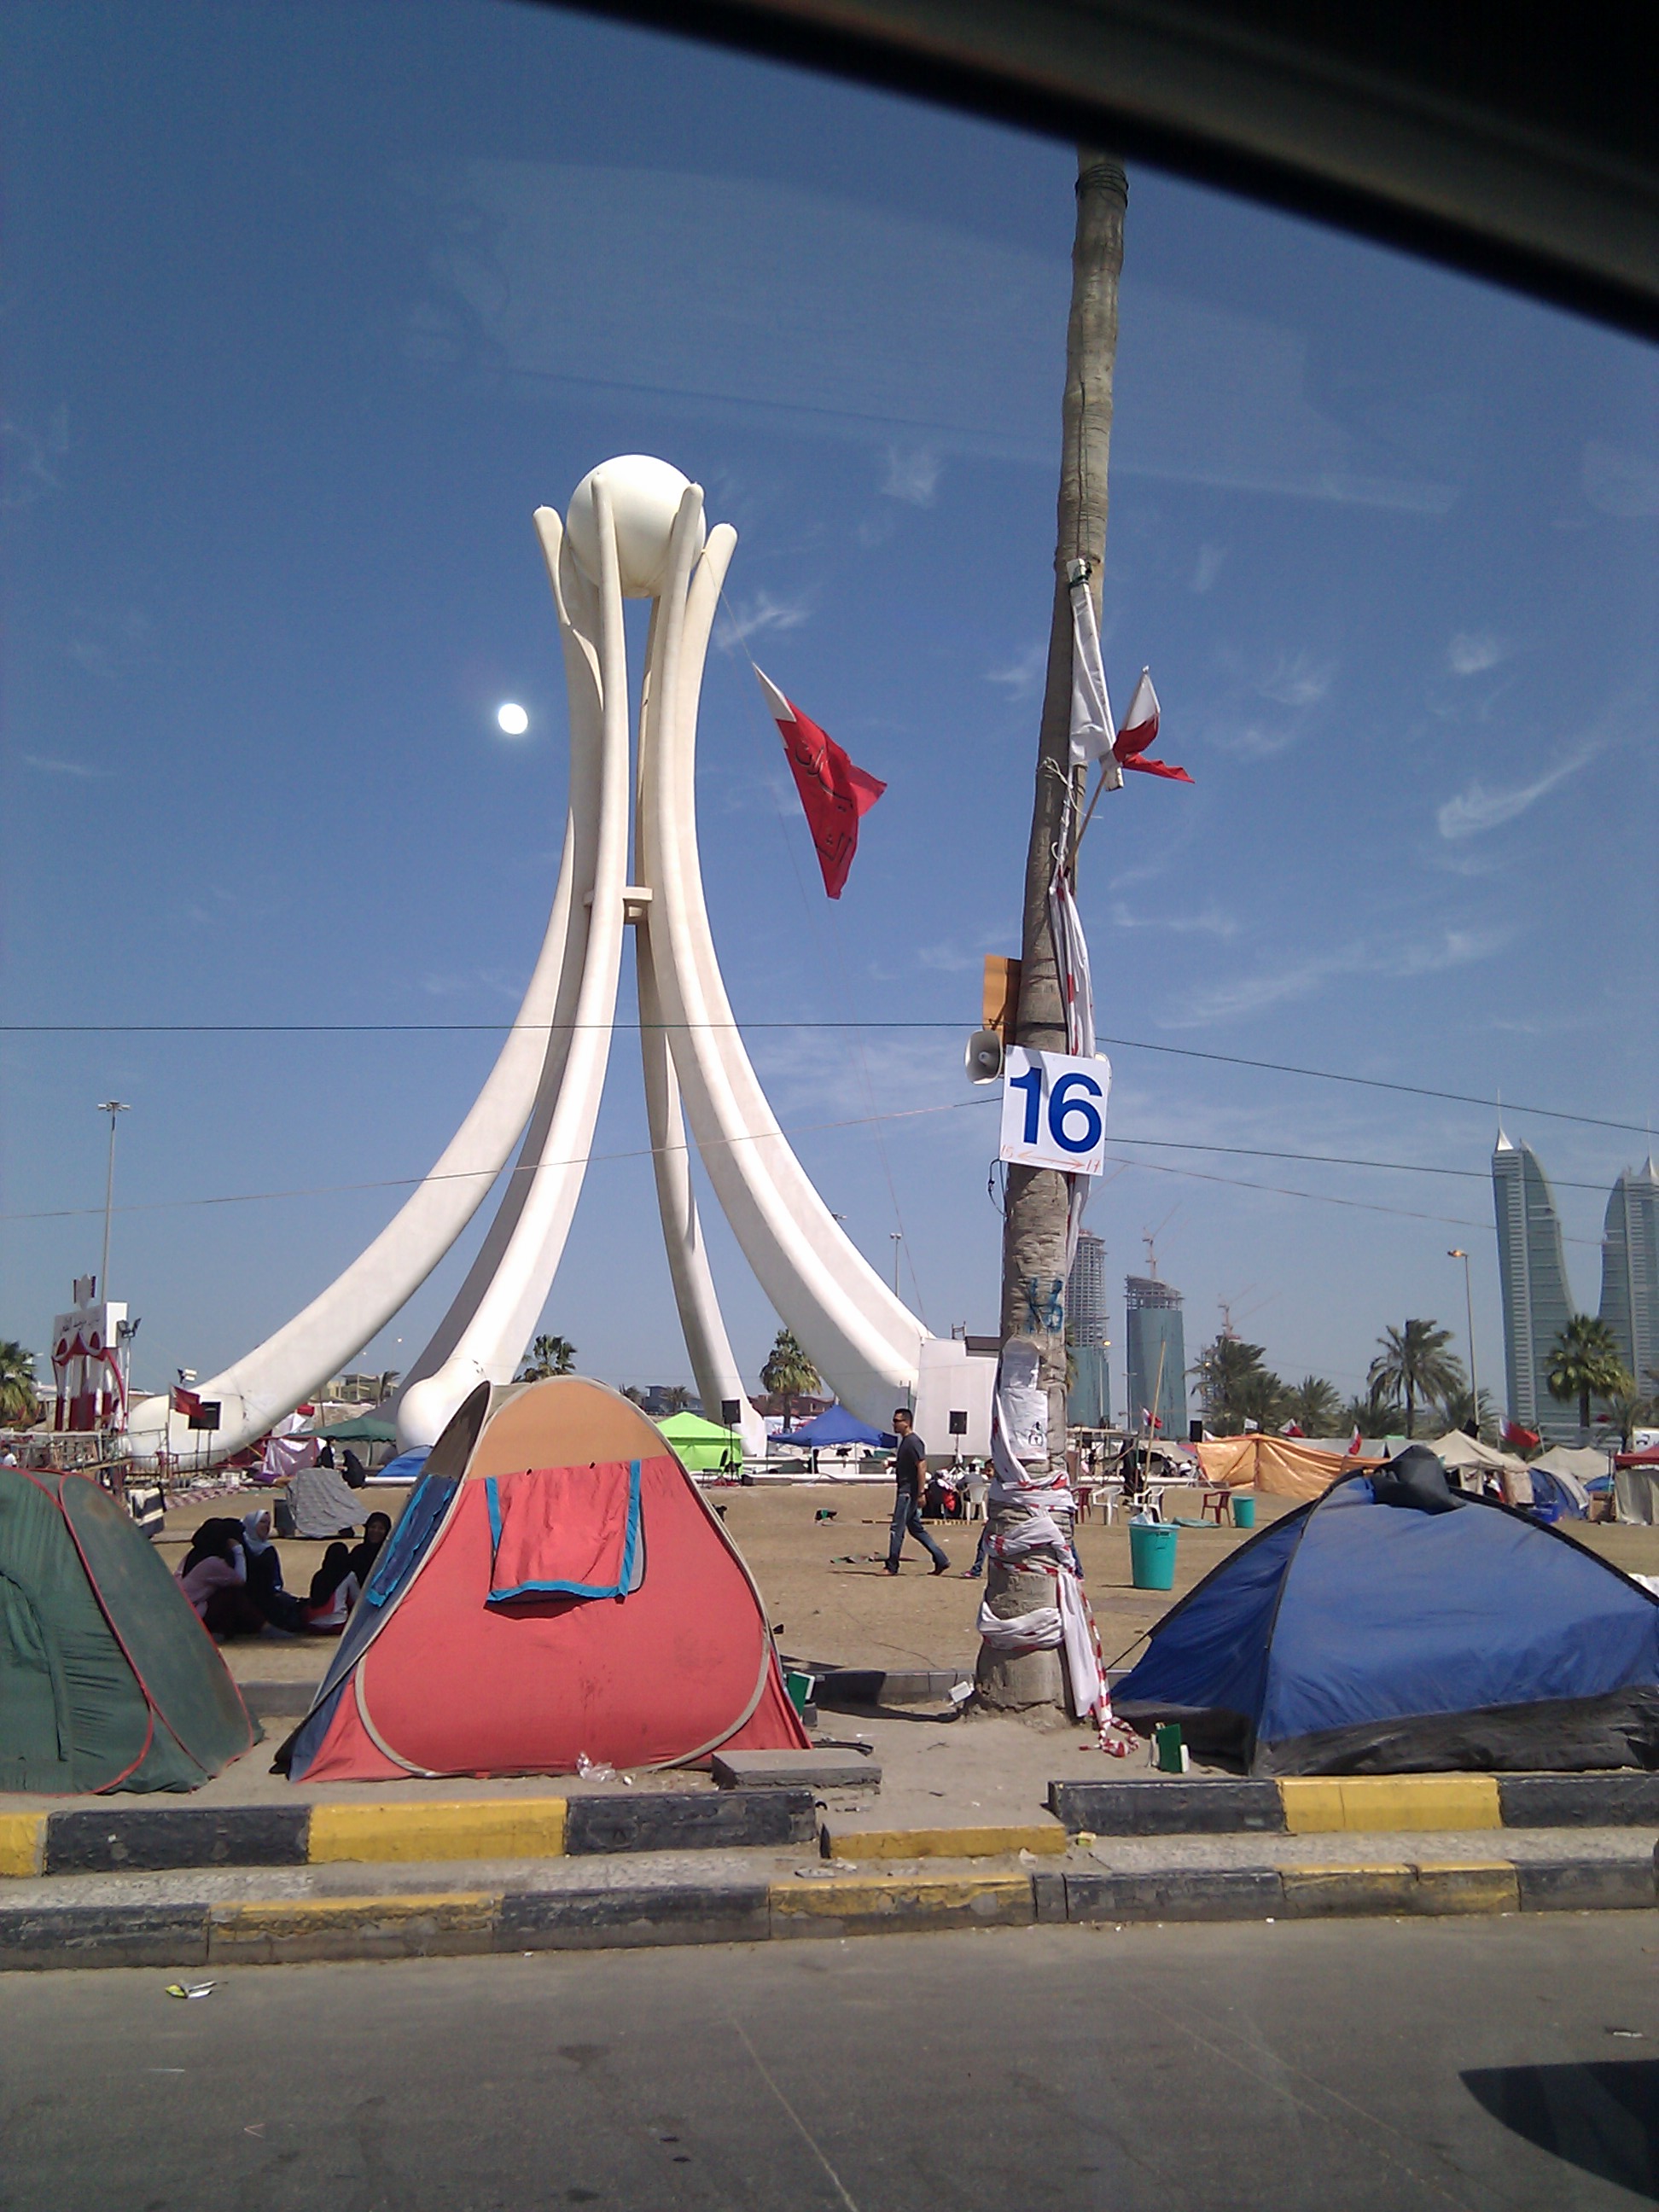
(723, 1910)
(1369, 1804)
(158, 1839)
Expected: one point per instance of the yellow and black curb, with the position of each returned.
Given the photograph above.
(1369, 1804)
(473, 1922)
(160, 1839)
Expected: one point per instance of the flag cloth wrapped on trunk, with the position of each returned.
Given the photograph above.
(835, 794)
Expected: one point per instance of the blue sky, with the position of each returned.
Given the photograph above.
(308, 308)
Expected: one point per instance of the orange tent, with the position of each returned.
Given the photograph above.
(1279, 1467)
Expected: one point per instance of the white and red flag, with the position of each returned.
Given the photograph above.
(834, 794)
(185, 1402)
(1355, 1443)
(1139, 730)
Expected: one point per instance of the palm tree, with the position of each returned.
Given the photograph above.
(549, 1355)
(1314, 1406)
(1584, 1363)
(1459, 1409)
(1415, 1363)
(1631, 1411)
(1234, 1386)
(789, 1373)
(1377, 1414)
(20, 1401)
(676, 1397)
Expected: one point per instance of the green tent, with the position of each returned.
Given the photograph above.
(360, 1429)
(702, 1447)
(107, 1678)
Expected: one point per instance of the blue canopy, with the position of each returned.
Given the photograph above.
(835, 1425)
(1360, 1636)
(406, 1467)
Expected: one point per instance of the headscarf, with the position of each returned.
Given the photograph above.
(255, 1537)
(336, 1565)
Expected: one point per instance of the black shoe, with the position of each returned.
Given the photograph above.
(943, 1568)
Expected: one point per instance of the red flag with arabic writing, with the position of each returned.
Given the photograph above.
(834, 794)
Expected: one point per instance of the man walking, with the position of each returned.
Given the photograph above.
(911, 1474)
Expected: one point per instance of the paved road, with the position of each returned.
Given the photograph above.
(1356, 2064)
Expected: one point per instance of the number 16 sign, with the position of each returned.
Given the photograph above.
(1053, 1110)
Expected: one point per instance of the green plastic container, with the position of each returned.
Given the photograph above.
(1151, 1555)
(800, 1689)
(1243, 1510)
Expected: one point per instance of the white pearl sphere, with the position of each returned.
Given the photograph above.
(645, 497)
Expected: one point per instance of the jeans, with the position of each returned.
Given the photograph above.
(906, 1517)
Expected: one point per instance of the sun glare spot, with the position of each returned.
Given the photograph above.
(513, 720)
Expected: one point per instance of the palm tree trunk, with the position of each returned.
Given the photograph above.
(1035, 1219)
(1411, 1408)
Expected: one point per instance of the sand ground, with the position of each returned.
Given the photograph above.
(827, 1595)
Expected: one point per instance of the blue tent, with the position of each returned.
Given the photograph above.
(406, 1467)
(835, 1425)
(1393, 1626)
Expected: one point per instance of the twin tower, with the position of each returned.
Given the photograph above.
(1538, 1302)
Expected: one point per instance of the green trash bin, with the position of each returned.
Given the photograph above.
(1243, 1510)
(1151, 1555)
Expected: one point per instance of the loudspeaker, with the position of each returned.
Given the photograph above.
(983, 1058)
(958, 1424)
(1195, 1433)
(730, 1410)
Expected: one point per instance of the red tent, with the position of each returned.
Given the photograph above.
(557, 1585)
(1648, 1458)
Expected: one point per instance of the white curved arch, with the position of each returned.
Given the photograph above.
(854, 1328)
(582, 685)
(495, 1334)
(552, 1070)
(268, 1381)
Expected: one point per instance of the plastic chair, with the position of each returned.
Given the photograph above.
(976, 1488)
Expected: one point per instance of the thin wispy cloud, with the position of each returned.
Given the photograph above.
(1620, 482)
(1203, 921)
(1477, 810)
(761, 615)
(913, 474)
(1021, 677)
(947, 959)
(46, 765)
(1207, 567)
(1292, 688)
(1298, 680)
(27, 458)
(1301, 979)
(1473, 651)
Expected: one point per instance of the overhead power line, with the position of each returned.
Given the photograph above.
(986, 1097)
(501, 1029)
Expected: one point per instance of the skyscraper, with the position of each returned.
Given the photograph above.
(1089, 1401)
(1153, 1331)
(1533, 1274)
(1630, 1272)
(1085, 1292)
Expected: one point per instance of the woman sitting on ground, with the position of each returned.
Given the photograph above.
(334, 1591)
(265, 1573)
(214, 1578)
(376, 1529)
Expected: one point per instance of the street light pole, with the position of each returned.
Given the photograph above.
(1458, 1253)
(111, 1107)
(898, 1238)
